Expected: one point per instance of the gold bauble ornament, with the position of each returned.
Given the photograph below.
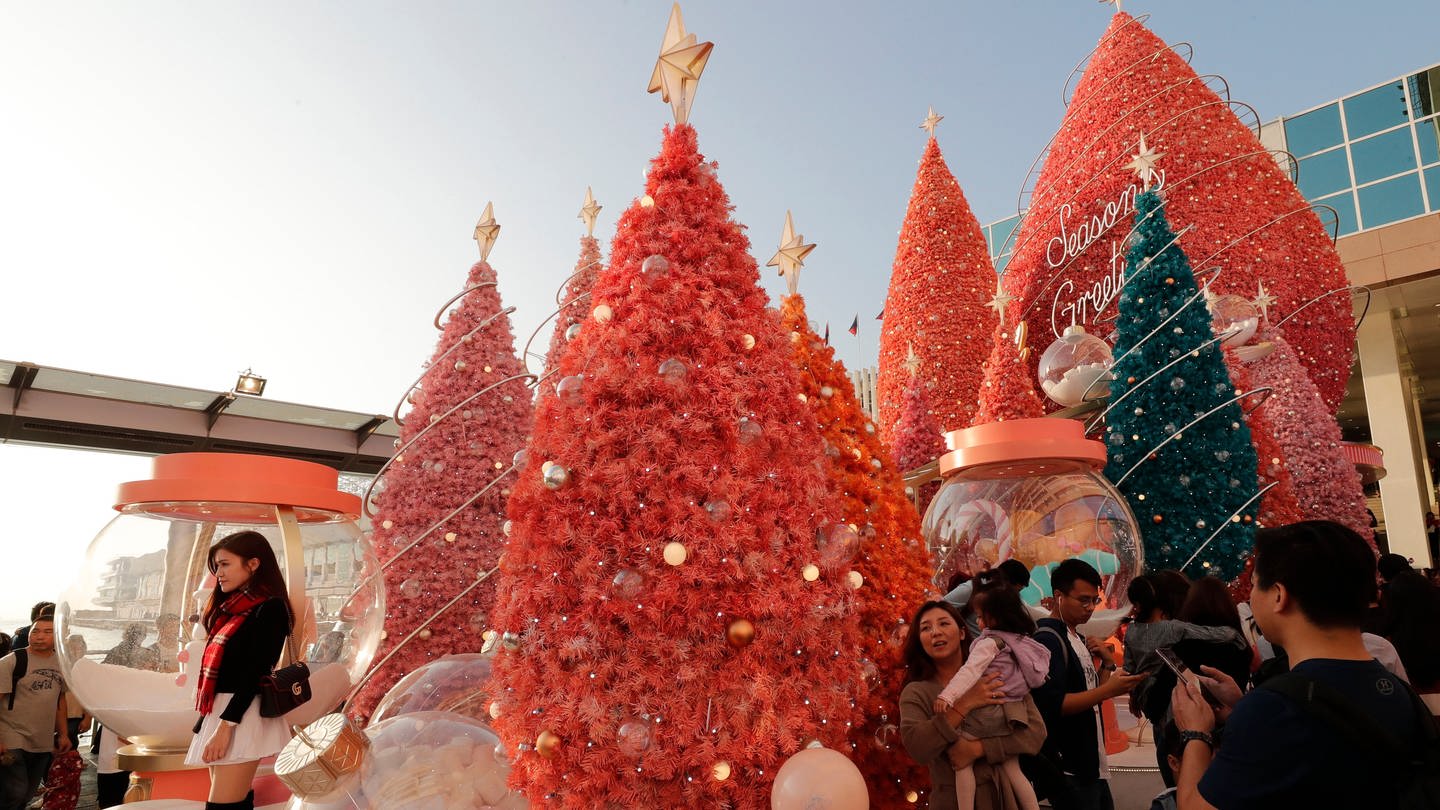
(547, 744)
(675, 552)
(748, 341)
(602, 313)
(720, 771)
(810, 572)
(740, 633)
(856, 580)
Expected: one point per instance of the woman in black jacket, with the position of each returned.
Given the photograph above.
(246, 621)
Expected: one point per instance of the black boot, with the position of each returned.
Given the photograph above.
(248, 803)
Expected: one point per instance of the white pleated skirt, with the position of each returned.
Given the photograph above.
(255, 737)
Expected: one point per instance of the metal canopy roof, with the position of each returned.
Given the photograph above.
(58, 407)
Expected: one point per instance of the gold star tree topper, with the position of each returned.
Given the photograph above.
(589, 212)
(677, 71)
(487, 231)
(1143, 164)
(1264, 300)
(791, 255)
(931, 121)
(1001, 300)
(912, 361)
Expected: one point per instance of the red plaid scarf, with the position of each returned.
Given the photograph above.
(232, 614)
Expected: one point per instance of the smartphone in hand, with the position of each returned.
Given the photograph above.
(1184, 673)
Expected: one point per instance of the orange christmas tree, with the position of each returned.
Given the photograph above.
(662, 644)
(918, 440)
(938, 286)
(893, 566)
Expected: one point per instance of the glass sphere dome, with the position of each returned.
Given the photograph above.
(1234, 317)
(437, 760)
(1076, 368)
(453, 683)
(1031, 490)
(130, 618)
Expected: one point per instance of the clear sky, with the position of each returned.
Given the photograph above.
(188, 189)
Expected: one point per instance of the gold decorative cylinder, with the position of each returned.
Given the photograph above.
(321, 755)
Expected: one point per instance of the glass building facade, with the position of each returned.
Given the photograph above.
(1372, 156)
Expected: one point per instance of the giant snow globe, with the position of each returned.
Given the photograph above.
(1076, 368)
(130, 620)
(1031, 490)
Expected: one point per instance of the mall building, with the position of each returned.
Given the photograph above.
(1370, 164)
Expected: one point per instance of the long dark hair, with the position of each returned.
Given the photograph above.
(1003, 610)
(1208, 603)
(919, 666)
(1411, 608)
(266, 581)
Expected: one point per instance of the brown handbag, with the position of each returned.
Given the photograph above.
(285, 689)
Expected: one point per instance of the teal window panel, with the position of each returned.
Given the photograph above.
(1432, 187)
(1382, 155)
(1428, 134)
(1344, 205)
(1375, 110)
(1391, 201)
(1324, 174)
(1313, 131)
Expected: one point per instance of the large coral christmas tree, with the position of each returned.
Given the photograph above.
(893, 566)
(1178, 444)
(1236, 208)
(940, 281)
(441, 501)
(662, 644)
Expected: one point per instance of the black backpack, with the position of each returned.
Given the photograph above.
(1417, 770)
(22, 665)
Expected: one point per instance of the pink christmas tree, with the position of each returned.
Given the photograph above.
(441, 501)
(918, 440)
(1326, 484)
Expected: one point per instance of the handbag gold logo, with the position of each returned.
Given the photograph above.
(295, 688)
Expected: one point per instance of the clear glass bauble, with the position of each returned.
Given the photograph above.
(454, 683)
(131, 615)
(1075, 368)
(1039, 512)
(436, 760)
(1235, 318)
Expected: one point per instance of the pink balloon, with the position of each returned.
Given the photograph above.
(819, 779)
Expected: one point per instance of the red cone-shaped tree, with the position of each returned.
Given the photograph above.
(918, 440)
(471, 412)
(1278, 506)
(573, 309)
(894, 565)
(1326, 484)
(661, 645)
(1244, 213)
(938, 288)
(1008, 390)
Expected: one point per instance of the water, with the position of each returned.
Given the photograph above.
(98, 640)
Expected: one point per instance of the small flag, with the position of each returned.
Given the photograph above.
(855, 325)
(827, 333)
(881, 316)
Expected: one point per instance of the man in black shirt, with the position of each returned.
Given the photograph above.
(1313, 582)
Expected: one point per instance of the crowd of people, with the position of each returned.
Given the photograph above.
(1321, 689)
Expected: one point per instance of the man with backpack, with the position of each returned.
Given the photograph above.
(1070, 700)
(32, 714)
(1337, 730)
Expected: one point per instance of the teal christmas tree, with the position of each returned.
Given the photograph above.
(1179, 447)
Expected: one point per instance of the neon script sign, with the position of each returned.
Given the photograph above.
(1075, 240)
